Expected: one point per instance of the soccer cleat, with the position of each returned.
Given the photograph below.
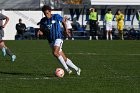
(69, 71)
(67, 39)
(13, 58)
(78, 71)
(4, 51)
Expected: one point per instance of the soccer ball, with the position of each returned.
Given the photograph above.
(59, 72)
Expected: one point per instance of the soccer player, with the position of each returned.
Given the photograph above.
(120, 23)
(139, 18)
(3, 47)
(50, 25)
(93, 21)
(108, 19)
(69, 26)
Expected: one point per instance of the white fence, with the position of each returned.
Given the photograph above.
(30, 18)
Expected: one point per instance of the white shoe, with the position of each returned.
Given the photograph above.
(4, 51)
(69, 71)
(72, 38)
(67, 39)
(90, 37)
(13, 58)
(78, 71)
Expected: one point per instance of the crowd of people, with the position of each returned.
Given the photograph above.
(94, 24)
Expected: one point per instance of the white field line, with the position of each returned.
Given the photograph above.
(90, 53)
(40, 78)
(56, 78)
(100, 54)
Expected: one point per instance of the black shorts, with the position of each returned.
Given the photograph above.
(1, 34)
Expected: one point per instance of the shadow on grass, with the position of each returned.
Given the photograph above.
(28, 74)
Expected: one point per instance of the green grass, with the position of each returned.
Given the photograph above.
(107, 67)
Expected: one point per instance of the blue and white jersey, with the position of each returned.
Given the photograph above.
(52, 27)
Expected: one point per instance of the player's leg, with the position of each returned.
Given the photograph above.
(107, 35)
(110, 30)
(107, 30)
(118, 27)
(121, 31)
(70, 63)
(2, 47)
(7, 51)
(72, 38)
(96, 30)
(91, 30)
(56, 51)
(110, 34)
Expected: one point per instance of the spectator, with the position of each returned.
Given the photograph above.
(139, 18)
(21, 28)
(69, 27)
(93, 18)
(120, 23)
(108, 19)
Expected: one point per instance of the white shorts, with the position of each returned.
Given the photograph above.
(109, 26)
(58, 42)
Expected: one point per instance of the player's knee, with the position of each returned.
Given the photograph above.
(56, 53)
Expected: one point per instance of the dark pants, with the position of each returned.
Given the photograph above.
(93, 27)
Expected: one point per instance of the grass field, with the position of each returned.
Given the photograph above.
(107, 67)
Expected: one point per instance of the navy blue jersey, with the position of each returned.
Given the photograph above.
(52, 27)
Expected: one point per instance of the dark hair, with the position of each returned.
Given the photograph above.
(109, 10)
(46, 7)
(20, 19)
(119, 9)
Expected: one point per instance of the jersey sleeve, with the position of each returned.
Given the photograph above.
(59, 18)
(41, 23)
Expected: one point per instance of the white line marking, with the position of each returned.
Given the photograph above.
(56, 78)
(91, 53)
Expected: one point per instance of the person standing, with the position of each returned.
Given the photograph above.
(108, 19)
(139, 18)
(120, 23)
(93, 20)
(69, 27)
(50, 24)
(3, 47)
(20, 27)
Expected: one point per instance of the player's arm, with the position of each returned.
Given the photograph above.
(41, 26)
(122, 17)
(97, 17)
(41, 30)
(7, 20)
